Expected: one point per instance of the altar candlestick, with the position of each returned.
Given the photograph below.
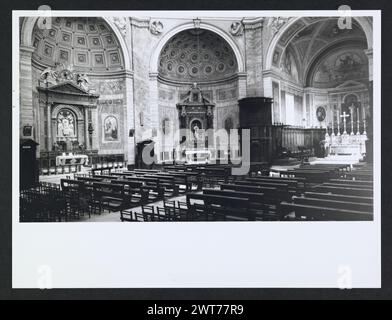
(333, 129)
(338, 121)
(358, 121)
(364, 127)
(352, 121)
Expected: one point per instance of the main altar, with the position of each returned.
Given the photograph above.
(345, 141)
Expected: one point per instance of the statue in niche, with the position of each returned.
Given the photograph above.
(237, 28)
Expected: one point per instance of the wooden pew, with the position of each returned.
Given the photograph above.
(216, 207)
(282, 190)
(354, 175)
(361, 192)
(72, 185)
(339, 197)
(313, 176)
(170, 183)
(90, 179)
(180, 179)
(292, 183)
(314, 213)
(135, 191)
(154, 191)
(170, 188)
(110, 196)
(355, 206)
(358, 183)
(346, 185)
(146, 171)
(272, 196)
(256, 200)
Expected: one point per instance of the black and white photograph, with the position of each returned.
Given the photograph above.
(150, 121)
(295, 92)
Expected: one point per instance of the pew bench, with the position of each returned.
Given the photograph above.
(315, 213)
(338, 204)
(215, 207)
(339, 197)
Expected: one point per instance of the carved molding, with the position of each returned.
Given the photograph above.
(156, 27)
(197, 23)
(277, 22)
(121, 24)
(140, 23)
(237, 28)
(253, 24)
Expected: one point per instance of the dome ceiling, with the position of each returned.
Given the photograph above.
(197, 56)
(309, 42)
(88, 44)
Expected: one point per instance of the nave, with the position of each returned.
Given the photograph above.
(177, 193)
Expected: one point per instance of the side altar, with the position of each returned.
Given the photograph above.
(68, 105)
(196, 117)
(71, 159)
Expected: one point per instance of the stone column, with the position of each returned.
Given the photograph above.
(26, 88)
(49, 120)
(254, 56)
(86, 134)
(268, 92)
(242, 85)
(96, 126)
(153, 112)
(130, 121)
(369, 54)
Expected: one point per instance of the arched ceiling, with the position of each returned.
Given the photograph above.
(197, 56)
(308, 42)
(87, 44)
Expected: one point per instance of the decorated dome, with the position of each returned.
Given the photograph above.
(87, 44)
(197, 56)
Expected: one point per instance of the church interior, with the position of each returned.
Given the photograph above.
(134, 119)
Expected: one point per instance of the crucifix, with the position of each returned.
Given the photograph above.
(344, 116)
